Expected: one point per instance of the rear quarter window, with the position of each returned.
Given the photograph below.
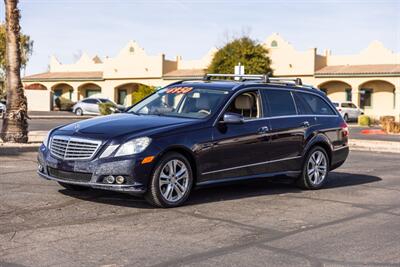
(315, 104)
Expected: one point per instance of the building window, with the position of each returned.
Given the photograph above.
(348, 94)
(131, 49)
(324, 90)
(274, 43)
(366, 98)
(90, 92)
(394, 98)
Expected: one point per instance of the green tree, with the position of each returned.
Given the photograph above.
(26, 46)
(253, 56)
(142, 92)
(25, 43)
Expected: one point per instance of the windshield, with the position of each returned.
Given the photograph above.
(185, 102)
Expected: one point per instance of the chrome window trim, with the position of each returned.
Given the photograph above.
(276, 117)
(77, 139)
(250, 165)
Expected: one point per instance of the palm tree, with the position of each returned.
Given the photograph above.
(15, 124)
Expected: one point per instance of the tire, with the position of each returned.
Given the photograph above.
(168, 190)
(79, 112)
(346, 117)
(311, 179)
(73, 187)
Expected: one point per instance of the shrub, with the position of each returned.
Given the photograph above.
(364, 120)
(64, 104)
(389, 124)
(142, 92)
(106, 108)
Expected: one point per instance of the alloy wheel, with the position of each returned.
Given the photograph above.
(317, 167)
(174, 180)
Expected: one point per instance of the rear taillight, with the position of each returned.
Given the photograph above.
(345, 129)
(340, 109)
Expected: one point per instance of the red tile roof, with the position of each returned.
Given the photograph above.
(66, 76)
(386, 69)
(185, 73)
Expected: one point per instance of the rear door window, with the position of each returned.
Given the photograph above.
(303, 108)
(317, 105)
(280, 102)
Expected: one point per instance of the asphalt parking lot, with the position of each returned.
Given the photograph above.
(354, 221)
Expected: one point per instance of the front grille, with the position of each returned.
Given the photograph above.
(71, 148)
(70, 176)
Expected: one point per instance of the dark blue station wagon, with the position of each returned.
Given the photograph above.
(197, 133)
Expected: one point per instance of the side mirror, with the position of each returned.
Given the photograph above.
(232, 118)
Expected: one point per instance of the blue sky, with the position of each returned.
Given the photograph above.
(65, 28)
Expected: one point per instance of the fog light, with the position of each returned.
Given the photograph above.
(109, 179)
(119, 179)
(40, 167)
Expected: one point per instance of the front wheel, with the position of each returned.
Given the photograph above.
(171, 181)
(79, 112)
(315, 169)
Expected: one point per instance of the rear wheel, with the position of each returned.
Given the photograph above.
(79, 112)
(73, 187)
(171, 181)
(346, 117)
(315, 169)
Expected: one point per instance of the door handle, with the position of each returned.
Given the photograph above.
(263, 130)
(306, 124)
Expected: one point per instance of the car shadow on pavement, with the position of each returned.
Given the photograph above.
(239, 190)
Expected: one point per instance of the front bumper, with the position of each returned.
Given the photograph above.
(128, 188)
(136, 173)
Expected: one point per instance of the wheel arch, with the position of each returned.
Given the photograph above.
(189, 156)
(322, 141)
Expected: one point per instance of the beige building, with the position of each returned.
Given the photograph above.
(371, 78)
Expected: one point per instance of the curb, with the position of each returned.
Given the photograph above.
(38, 117)
(374, 145)
(354, 144)
(16, 149)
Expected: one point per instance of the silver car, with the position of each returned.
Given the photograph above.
(348, 110)
(90, 106)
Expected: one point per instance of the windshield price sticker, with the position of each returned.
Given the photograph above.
(179, 90)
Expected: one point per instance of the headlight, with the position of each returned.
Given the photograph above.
(46, 139)
(134, 146)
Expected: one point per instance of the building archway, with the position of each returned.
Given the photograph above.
(337, 90)
(60, 90)
(378, 97)
(87, 90)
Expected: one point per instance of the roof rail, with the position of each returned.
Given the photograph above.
(262, 77)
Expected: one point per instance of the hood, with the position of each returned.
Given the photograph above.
(120, 124)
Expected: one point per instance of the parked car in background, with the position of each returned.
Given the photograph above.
(2, 108)
(348, 110)
(90, 106)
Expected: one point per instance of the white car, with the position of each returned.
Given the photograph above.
(90, 106)
(348, 110)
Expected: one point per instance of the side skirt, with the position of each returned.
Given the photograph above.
(291, 174)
